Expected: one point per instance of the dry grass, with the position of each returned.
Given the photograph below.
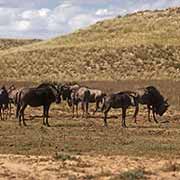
(12, 43)
(144, 45)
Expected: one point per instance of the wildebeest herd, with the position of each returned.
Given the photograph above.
(47, 93)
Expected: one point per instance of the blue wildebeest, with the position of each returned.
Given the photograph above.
(121, 100)
(13, 93)
(43, 95)
(151, 97)
(81, 95)
(75, 94)
(4, 101)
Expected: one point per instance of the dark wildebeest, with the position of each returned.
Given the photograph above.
(4, 101)
(151, 97)
(43, 95)
(118, 100)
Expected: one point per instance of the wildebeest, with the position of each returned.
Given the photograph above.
(13, 93)
(75, 94)
(43, 95)
(96, 96)
(80, 95)
(67, 90)
(4, 100)
(151, 97)
(118, 100)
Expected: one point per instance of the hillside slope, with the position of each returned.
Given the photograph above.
(143, 45)
(11, 43)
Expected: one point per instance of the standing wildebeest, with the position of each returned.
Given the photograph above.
(118, 100)
(74, 94)
(4, 100)
(80, 95)
(13, 93)
(151, 97)
(43, 95)
(96, 96)
(67, 91)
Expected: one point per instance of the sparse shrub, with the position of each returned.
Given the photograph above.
(135, 174)
(171, 166)
(64, 156)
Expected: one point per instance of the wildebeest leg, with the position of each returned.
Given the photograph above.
(124, 117)
(77, 110)
(1, 111)
(105, 115)
(22, 113)
(154, 116)
(149, 111)
(73, 109)
(87, 107)
(10, 109)
(97, 107)
(44, 115)
(19, 117)
(47, 115)
(5, 109)
(135, 113)
(17, 110)
(82, 105)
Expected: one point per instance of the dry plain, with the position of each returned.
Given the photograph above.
(79, 148)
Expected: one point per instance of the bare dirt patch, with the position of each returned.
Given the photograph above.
(84, 167)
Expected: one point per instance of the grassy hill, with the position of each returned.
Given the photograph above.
(143, 45)
(11, 43)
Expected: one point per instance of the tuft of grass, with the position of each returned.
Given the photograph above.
(171, 166)
(64, 156)
(135, 174)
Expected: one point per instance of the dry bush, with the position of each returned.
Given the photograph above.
(11, 43)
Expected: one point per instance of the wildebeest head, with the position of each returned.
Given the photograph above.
(57, 94)
(66, 92)
(161, 109)
(3, 90)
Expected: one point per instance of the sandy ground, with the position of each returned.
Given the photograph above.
(82, 167)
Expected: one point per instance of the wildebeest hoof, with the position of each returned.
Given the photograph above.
(48, 125)
(124, 126)
(105, 125)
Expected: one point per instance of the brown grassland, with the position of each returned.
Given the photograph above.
(124, 53)
(12, 43)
